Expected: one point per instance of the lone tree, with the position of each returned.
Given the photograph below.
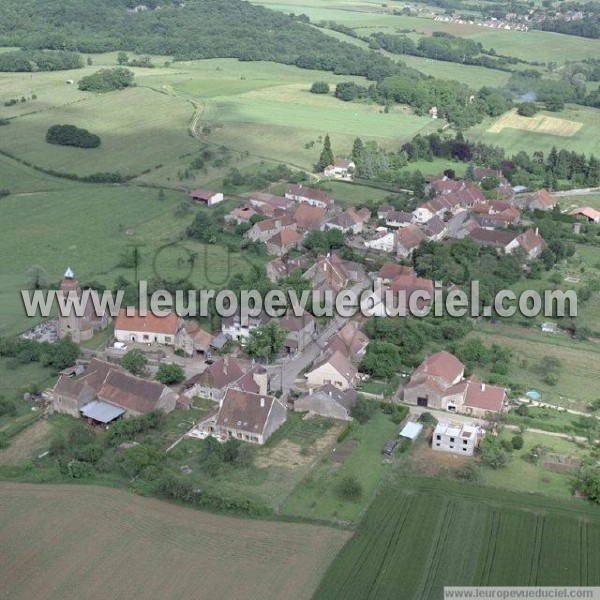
(170, 373)
(266, 341)
(326, 157)
(135, 362)
(37, 278)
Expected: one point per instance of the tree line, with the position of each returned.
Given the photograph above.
(39, 60)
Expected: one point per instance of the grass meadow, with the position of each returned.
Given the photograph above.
(89, 227)
(421, 535)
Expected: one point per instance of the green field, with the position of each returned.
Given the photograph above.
(421, 535)
(89, 227)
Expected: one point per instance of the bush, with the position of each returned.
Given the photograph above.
(517, 442)
(427, 419)
(523, 410)
(350, 488)
(170, 373)
(527, 109)
(363, 410)
(69, 135)
(319, 87)
(135, 362)
(4, 440)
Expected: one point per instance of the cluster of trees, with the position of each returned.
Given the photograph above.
(442, 46)
(533, 170)
(107, 80)
(261, 178)
(69, 135)
(38, 60)
(58, 356)
(186, 31)
(266, 341)
(455, 101)
(406, 340)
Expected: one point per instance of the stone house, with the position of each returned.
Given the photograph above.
(327, 401)
(105, 392)
(314, 197)
(148, 329)
(249, 417)
(541, 200)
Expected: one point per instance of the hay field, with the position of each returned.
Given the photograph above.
(540, 123)
(89, 542)
(574, 128)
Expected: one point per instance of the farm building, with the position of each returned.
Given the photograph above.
(438, 383)
(457, 438)
(300, 193)
(411, 431)
(206, 197)
(105, 392)
(587, 212)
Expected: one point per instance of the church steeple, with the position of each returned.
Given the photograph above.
(69, 273)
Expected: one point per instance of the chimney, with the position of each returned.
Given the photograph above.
(537, 230)
(262, 402)
(310, 391)
(483, 387)
(225, 364)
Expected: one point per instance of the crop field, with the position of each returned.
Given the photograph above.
(419, 538)
(89, 227)
(540, 123)
(95, 542)
(573, 129)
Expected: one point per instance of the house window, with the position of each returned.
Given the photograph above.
(168, 339)
(452, 439)
(146, 337)
(465, 442)
(451, 447)
(464, 449)
(438, 437)
(438, 444)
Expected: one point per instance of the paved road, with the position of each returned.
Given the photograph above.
(283, 376)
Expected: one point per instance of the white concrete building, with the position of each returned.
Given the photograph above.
(457, 438)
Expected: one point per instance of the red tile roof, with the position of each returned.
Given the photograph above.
(151, 323)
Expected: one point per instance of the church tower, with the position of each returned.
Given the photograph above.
(78, 328)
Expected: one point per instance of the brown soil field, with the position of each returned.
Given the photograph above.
(27, 444)
(536, 124)
(68, 541)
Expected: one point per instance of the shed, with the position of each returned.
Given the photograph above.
(102, 412)
(411, 431)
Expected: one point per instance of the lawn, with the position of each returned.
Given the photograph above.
(137, 541)
(421, 535)
(317, 497)
(523, 476)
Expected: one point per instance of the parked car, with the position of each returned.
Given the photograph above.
(388, 449)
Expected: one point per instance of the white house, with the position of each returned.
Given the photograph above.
(384, 241)
(343, 168)
(335, 369)
(457, 438)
